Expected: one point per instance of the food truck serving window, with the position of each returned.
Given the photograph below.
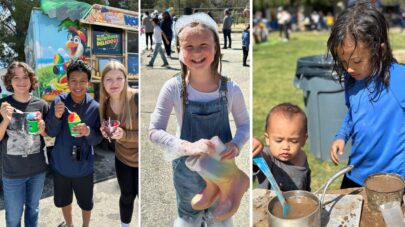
(133, 52)
(107, 40)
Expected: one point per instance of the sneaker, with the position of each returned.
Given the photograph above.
(165, 65)
(63, 224)
(149, 65)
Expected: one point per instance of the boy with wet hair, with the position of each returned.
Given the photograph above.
(285, 135)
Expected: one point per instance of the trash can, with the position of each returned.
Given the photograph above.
(324, 103)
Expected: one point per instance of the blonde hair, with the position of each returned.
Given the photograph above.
(10, 74)
(125, 115)
(216, 66)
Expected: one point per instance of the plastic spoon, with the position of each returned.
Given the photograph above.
(261, 163)
(69, 111)
(18, 111)
(109, 126)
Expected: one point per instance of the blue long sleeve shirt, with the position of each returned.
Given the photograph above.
(376, 124)
(61, 159)
(245, 38)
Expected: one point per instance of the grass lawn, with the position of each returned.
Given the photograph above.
(273, 74)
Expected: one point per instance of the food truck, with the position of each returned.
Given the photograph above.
(97, 35)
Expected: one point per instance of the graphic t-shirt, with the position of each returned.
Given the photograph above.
(22, 153)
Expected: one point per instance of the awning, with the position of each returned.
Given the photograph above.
(112, 17)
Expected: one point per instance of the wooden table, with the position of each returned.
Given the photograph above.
(261, 197)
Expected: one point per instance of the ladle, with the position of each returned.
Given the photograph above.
(261, 163)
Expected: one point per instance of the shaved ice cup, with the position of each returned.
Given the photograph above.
(32, 127)
(110, 127)
(71, 125)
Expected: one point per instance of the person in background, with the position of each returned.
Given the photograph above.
(158, 35)
(166, 26)
(148, 26)
(227, 29)
(245, 44)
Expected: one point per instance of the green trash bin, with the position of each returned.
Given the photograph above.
(324, 103)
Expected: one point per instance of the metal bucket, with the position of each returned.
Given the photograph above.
(311, 219)
(382, 188)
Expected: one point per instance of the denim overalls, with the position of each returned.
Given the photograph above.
(200, 121)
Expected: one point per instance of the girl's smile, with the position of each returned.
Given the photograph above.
(198, 47)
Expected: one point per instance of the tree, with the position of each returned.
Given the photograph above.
(14, 18)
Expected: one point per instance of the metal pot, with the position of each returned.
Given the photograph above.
(313, 218)
(390, 188)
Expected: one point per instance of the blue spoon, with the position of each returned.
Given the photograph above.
(261, 163)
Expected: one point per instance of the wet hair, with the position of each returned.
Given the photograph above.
(80, 66)
(216, 66)
(125, 116)
(10, 74)
(289, 111)
(363, 23)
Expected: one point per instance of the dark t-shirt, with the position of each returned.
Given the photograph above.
(289, 177)
(23, 154)
(166, 26)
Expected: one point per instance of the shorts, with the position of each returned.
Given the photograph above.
(65, 186)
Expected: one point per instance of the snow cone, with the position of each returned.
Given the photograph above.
(73, 119)
(32, 122)
(110, 127)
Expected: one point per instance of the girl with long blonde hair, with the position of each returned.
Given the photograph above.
(118, 102)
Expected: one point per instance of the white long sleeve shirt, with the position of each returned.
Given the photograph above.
(169, 98)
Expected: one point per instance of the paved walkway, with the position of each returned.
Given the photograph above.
(158, 205)
(106, 196)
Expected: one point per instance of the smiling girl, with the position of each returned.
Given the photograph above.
(119, 102)
(202, 99)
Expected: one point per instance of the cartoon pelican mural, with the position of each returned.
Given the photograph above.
(76, 47)
(76, 43)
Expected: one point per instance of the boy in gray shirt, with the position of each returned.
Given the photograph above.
(285, 134)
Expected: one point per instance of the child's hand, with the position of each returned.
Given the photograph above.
(200, 147)
(102, 130)
(118, 134)
(231, 152)
(59, 109)
(337, 146)
(6, 111)
(41, 126)
(257, 147)
(82, 128)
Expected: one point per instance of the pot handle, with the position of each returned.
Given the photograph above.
(333, 178)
